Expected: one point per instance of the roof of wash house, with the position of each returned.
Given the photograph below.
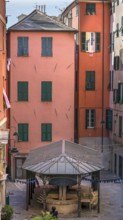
(38, 21)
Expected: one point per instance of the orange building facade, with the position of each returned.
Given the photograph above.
(92, 18)
(93, 88)
(3, 98)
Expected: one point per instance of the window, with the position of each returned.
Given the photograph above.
(109, 119)
(90, 118)
(116, 63)
(113, 7)
(115, 163)
(118, 94)
(90, 9)
(121, 59)
(111, 80)
(120, 126)
(117, 30)
(90, 80)
(20, 172)
(111, 42)
(22, 91)
(90, 41)
(2, 30)
(122, 25)
(46, 91)
(77, 10)
(22, 46)
(23, 132)
(117, 2)
(46, 132)
(47, 46)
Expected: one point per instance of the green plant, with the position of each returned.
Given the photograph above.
(7, 212)
(44, 216)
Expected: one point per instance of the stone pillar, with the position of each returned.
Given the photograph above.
(64, 192)
(60, 192)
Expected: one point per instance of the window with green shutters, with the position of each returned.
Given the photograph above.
(47, 46)
(97, 43)
(85, 41)
(22, 46)
(22, 91)
(46, 91)
(90, 80)
(23, 132)
(109, 119)
(46, 132)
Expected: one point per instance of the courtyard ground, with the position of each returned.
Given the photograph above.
(111, 203)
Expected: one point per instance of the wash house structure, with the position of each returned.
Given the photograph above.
(63, 164)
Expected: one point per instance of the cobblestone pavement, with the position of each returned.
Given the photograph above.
(111, 203)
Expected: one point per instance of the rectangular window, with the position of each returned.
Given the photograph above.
(111, 42)
(47, 46)
(121, 59)
(109, 119)
(90, 41)
(22, 91)
(117, 30)
(77, 10)
(90, 118)
(46, 91)
(117, 2)
(46, 132)
(23, 132)
(115, 163)
(122, 25)
(2, 29)
(116, 63)
(90, 80)
(22, 46)
(113, 7)
(120, 126)
(90, 8)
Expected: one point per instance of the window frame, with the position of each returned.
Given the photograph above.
(90, 80)
(46, 91)
(109, 119)
(23, 136)
(90, 118)
(23, 50)
(46, 136)
(22, 95)
(97, 42)
(90, 10)
(47, 46)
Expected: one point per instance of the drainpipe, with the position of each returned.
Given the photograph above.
(102, 137)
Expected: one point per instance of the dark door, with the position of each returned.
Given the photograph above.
(120, 167)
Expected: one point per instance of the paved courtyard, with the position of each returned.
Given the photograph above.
(111, 203)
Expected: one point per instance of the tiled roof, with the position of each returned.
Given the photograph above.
(38, 21)
(63, 157)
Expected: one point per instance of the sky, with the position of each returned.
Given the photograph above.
(16, 7)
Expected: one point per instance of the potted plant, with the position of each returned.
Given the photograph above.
(6, 212)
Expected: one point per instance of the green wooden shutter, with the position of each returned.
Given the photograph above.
(86, 118)
(22, 91)
(46, 46)
(118, 92)
(90, 80)
(97, 45)
(49, 132)
(25, 46)
(20, 44)
(46, 132)
(23, 132)
(109, 118)
(46, 90)
(83, 41)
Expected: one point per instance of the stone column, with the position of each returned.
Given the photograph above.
(64, 192)
(60, 192)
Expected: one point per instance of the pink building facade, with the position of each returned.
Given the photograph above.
(41, 85)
